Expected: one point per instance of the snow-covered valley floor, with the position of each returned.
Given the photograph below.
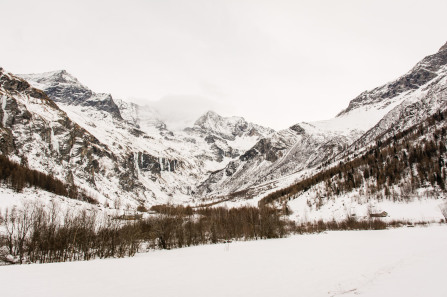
(397, 262)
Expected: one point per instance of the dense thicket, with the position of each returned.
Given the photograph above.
(38, 234)
(18, 176)
(409, 160)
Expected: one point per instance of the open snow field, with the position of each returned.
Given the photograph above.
(398, 262)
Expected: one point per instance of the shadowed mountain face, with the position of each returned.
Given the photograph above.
(62, 87)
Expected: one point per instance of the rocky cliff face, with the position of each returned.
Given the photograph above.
(62, 87)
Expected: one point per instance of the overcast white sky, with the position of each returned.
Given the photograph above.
(274, 62)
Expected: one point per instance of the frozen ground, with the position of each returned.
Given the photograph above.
(399, 262)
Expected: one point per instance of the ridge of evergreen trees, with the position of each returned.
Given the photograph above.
(19, 176)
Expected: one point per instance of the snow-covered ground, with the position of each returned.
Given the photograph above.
(398, 262)
(416, 209)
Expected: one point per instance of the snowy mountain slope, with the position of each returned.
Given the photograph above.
(165, 165)
(391, 107)
(417, 103)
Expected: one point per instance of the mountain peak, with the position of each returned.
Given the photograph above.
(62, 76)
(228, 127)
(59, 72)
(57, 76)
(206, 117)
(443, 48)
(212, 114)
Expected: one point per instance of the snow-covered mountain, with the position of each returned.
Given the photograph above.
(282, 158)
(141, 162)
(125, 154)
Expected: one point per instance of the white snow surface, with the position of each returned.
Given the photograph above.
(10, 199)
(399, 262)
